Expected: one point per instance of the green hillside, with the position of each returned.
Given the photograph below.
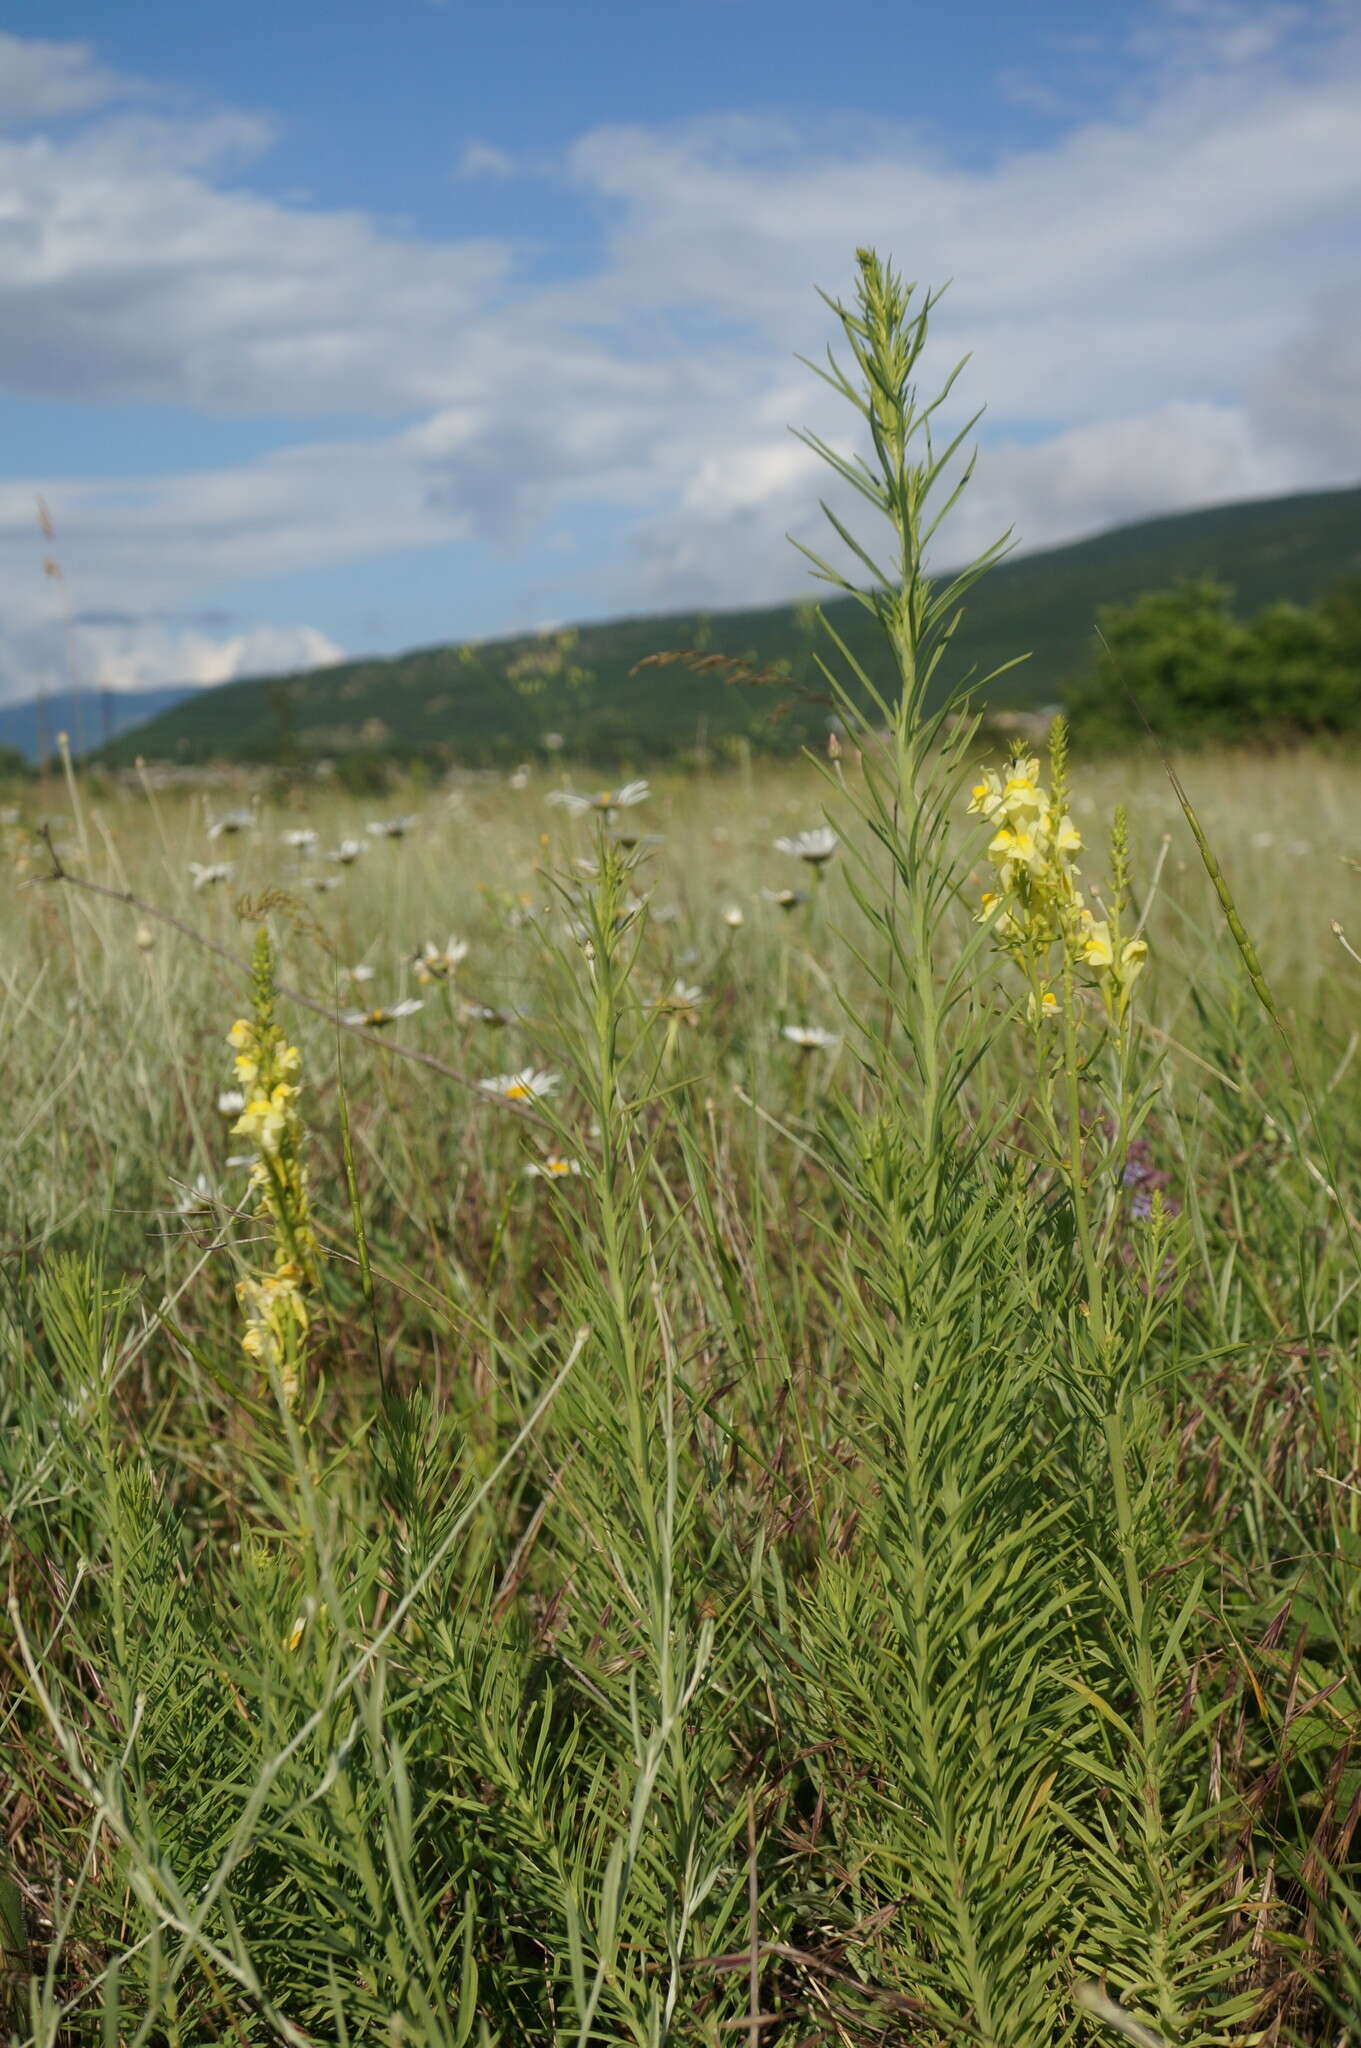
(750, 673)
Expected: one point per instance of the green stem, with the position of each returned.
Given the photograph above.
(1076, 1179)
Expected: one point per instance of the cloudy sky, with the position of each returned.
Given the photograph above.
(347, 325)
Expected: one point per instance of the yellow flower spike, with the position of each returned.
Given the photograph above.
(1035, 902)
(274, 1303)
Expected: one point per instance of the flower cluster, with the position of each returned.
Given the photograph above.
(1037, 901)
(277, 1322)
(1097, 950)
(268, 1071)
(1032, 848)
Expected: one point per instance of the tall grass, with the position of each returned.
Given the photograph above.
(846, 1544)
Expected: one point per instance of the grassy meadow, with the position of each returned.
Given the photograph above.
(752, 1470)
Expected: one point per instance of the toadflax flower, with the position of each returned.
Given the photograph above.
(1097, 948)
(1037, 903)
(269, 1071)
(1031, 849)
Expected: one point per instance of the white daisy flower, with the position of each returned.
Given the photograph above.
(603, 799)
(555, 1167)
(195, 1196)
(205, 873)
(437, 963)
(302, 839)
(360, 973)
(785, 899)
(229, 822)
(681, 1000)
(815, 847)
(526, 1086)
(620, 799)
(348, 850)
(319, 881)
(375, 1019)
(391, 828)
(483, 1013)
(733, 916)
(230, 1102)
(518, 778)
(810, 1037)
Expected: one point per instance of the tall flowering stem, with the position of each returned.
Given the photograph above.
(1040, 918)
(908, 787)
(275, 1301)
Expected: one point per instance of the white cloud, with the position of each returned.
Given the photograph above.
(44, 81)
(485, 160)
(1162, 303)
(130, 272)
(142, 655)
(112, 653)
(1310, 390)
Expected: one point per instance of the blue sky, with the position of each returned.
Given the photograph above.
(342, 328)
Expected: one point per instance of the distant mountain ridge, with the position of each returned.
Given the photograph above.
(747, 675)
(87, 717)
